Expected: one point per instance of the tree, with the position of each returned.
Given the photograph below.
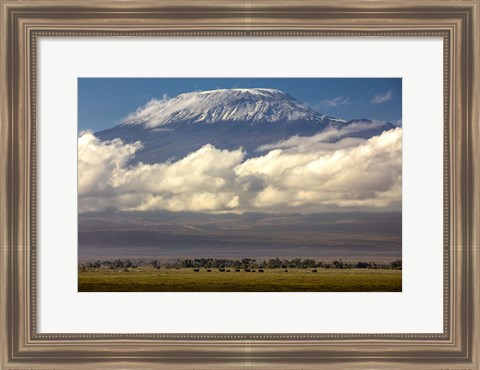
(338, 264)
(397, 265)
(362, 265)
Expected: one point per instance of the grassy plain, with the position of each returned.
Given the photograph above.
(148, 279)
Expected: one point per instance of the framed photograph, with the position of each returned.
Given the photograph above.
(240, 189)
(240, 184)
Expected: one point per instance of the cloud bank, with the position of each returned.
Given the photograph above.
(301, 174)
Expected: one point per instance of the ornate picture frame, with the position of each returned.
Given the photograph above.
(23, 22)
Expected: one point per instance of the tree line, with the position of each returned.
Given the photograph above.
(245, 263)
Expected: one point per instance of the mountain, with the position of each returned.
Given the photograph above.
(248, 106)
(227, 119)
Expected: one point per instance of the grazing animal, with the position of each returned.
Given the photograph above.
(247, 270)
(228, 270)
(314, 270)
(286, 270)
(253, 270)
(196, 270)
(260, 270)
(209, 270)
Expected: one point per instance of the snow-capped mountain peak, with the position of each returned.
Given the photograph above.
(225, 105)
(232, 119)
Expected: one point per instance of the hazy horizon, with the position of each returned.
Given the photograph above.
(163, 235)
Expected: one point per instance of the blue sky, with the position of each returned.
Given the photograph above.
(104, 102)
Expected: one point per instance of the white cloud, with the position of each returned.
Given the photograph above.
(329, 103)
(301, 174)
(383, 97)
(99, 164)
(149, 111)
(162, 129)
(325, 140)
(397, 122)
(363, 175)
(202, 181)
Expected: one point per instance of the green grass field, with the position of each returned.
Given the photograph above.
(147, 279)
